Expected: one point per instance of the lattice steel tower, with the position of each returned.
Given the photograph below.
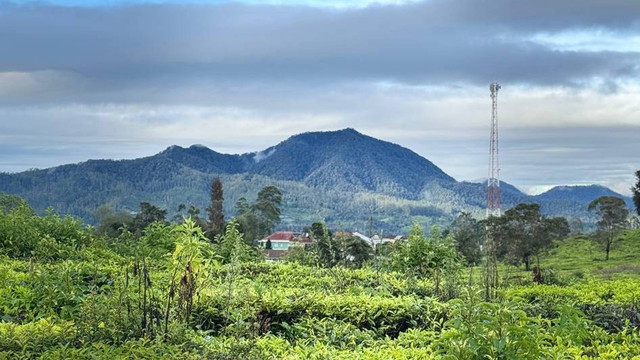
(493, 184)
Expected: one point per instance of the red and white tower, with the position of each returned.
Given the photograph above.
(493, 183)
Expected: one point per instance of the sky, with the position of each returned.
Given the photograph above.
(87, 79)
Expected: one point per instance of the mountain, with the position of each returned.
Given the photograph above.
(576, 196)
(348, 160)
(579, 193)
(343, 177)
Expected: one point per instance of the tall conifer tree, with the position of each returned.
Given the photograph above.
(216, 214)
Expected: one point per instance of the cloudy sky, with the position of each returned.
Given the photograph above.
(84, 79)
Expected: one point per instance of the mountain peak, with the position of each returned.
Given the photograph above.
(348, 159)
(578, 187)
(593, 188)
(329, 134)
(349, 131)
(579, 193)
(172, 148)
(198, 147)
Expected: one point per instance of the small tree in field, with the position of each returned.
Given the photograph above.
(468, 236)
(613, 218)
(422, 256)
(191, 262)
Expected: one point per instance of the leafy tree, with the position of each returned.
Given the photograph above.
(215, 209)
(613, 218)
(267, 208)
(248, 222)
(192, 213)
(558, 227)
(468, 236)
(242, 206)
(318, 230)
(303, 255)
(354, 251)
(636, 192)
(147, 215)
(112, 224)
(258, 219)
(346, 250)
(421, 255)
(498, 236)
(268, 245)
(522, 232)
(525, 227)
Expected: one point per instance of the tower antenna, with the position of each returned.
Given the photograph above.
(493, 182)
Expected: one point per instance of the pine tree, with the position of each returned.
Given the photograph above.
(216, 214)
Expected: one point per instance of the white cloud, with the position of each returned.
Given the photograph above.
(589, 40)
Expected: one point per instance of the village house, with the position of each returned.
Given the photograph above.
(277, 244)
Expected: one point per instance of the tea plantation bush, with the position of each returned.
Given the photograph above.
(67, 294)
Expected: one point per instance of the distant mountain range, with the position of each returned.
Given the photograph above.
(343, 177)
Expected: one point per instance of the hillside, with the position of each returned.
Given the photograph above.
(583, 254)
(348, 160)
(580, 195)
(341, 176)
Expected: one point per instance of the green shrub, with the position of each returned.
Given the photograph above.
(36, 336)
(612, 317)
(481, 330)
(24, 234)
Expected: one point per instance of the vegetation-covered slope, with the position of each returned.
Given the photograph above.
(581, 254)
(343, 176)
(349, 160)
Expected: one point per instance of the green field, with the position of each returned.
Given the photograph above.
(67, 294)
(583, 254)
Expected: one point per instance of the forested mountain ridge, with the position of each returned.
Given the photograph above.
(580, 193)
(341, 176)
(348, 160)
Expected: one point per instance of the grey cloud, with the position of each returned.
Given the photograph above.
(128, 81)
(432, 42)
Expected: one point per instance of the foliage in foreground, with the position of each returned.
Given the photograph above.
(65, 293)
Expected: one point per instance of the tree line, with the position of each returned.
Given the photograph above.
(254, 220)
(518, 237)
